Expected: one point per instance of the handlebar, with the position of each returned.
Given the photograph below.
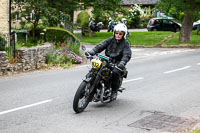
(112, 65)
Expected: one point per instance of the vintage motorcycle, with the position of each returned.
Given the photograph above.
(97, 83)
(95, 27)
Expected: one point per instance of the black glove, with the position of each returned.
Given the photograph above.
(121, 65)
(91, 52)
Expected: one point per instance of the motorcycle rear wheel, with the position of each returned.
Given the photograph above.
(81, 98)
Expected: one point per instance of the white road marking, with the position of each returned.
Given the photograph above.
(133, 80)
(24, 107)
(175, 70)
(198, 63)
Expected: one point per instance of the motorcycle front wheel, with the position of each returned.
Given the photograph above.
(81, 98)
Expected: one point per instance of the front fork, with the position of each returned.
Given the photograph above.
(89, 80)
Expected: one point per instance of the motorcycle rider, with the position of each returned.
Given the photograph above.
(111, 24)
(124, 21)
(116, 47)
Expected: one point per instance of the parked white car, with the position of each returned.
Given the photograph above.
(196, 24)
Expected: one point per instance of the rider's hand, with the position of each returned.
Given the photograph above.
(121, 65)
(91, 52)
(87, 54)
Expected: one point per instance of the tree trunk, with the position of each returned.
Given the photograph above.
(69, 24)
(186, 29)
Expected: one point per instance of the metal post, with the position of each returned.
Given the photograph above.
(14, 43)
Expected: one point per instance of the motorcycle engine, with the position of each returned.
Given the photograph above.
(106, 73)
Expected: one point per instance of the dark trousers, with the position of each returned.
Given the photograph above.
(116, 74)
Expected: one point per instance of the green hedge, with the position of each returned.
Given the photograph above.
(54, 34)
(83, 19)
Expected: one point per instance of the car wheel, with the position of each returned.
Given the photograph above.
(177, 29)
(155, 29)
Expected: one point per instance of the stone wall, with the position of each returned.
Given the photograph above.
(27, 59)
(4, 16)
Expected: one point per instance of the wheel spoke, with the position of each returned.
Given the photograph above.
(83, 100)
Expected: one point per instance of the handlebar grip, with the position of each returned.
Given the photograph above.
(119, 68)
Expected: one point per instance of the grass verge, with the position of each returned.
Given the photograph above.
(146, 39)
(136, 38)
(175, 41)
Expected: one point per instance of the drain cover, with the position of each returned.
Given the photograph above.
(164, 122)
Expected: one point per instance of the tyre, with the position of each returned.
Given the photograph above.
(81, 98)
(177, 29)
(154, 29)
(109, 29)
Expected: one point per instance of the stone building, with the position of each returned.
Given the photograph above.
(4, 16)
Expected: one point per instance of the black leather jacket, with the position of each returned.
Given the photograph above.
(120, 51)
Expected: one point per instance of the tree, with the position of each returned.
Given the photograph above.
(66, 8)
(30, 11)
(102, 8)
(51, 13)
(190, 10)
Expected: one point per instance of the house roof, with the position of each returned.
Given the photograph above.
(142, 2)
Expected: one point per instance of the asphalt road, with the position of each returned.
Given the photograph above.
(161, 82)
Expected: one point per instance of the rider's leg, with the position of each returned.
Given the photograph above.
(116, 74)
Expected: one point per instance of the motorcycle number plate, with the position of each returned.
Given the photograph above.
(96, 63)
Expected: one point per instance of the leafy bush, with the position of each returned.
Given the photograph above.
(83, 19)
(31, 42)
(134, 15)
(63, 55)
(2, 43)
(28, 26)
(54, 34)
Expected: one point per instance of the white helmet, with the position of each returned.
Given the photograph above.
(110, 19)
(124, 20)
(122, 28)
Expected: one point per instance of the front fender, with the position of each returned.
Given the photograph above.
(87, 79)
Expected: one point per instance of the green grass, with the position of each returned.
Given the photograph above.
(175, 41)
(148, 38)
(136, 38)
(96, 38)
(22, 43)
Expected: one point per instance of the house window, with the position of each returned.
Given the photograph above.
(158, 21)
(20, 0)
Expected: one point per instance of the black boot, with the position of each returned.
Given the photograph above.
(113, 95)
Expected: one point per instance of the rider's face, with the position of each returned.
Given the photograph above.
(118, 35)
